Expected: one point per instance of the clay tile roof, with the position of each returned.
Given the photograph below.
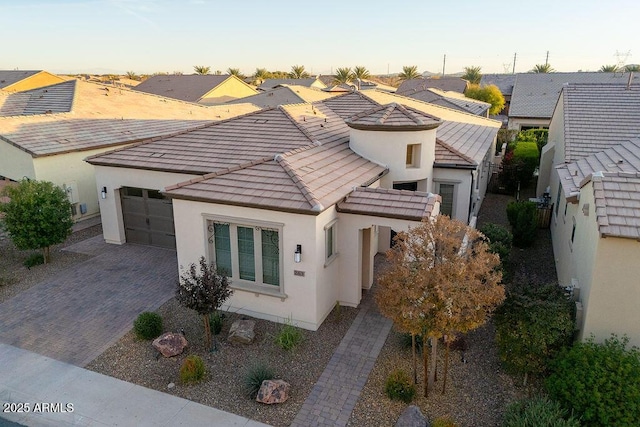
(451, 99)
(617, 203)
(57, 98)
(9, 77)
(307, 82)
(284, 94)
(392, 117)
(188, 88)
(447, 156)
(455, 84)
(387, 203)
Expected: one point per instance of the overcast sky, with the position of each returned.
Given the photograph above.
(146, 36)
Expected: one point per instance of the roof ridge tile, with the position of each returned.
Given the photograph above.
(316, 206)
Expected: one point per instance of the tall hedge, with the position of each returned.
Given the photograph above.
(524, 224)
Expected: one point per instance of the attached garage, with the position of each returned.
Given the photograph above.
(148, 217)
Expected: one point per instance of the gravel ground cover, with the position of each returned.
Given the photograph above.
(136, 361)
(15, 277)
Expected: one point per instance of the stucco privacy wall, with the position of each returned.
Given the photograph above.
(461, 178)
(298, 305)
(15, 163)
(390, 149)
(115, 178)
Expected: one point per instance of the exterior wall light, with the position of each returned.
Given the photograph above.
(103, 193)
(297, 255)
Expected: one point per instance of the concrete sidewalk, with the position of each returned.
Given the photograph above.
(97, 400)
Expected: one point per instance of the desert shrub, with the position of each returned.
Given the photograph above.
(289, 337)
(500, 239)
(532, 326)
(33, 260)
(443, 422)
(399, 386)
(524, 223)
(148, 325)
(599, 382)
(216, 321)
(405, 341)
(192, 369)
(538, 412)
(254, 376)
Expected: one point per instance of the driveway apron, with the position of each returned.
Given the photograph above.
(76, 315)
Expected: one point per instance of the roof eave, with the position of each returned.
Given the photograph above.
(380, 214)
(309, 211)
(391, 128)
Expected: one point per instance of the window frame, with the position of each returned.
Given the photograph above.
(454, 195)
(331, 227)
(257, 286)
(415, 150)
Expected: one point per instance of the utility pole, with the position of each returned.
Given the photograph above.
(388, 69)
(546, 61)
(444, 62)
(514, 63)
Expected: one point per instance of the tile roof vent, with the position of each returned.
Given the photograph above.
(620, 161)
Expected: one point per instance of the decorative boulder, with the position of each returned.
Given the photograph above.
(242, 331)
(170, 344)
(273, 391)
(412, 417)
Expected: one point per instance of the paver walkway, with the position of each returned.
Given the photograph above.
(97, 400)
(334, 396)
(76, 315)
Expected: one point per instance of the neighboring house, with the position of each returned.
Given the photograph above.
(205, 89)
(294, 202)
(310, 82)
(591, 166)
(535, 95)
(451, 99)
(505, 83)
(284, 94)
(453, 84)
(20, 80)
(46, 133)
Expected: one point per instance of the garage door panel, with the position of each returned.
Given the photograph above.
(138, 236)
(133, 205)
(138, 222)
(164, 225)
(163, 240)
(148, 218)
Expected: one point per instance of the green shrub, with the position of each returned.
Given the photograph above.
(254, 376)
(526, 156)
(148, 325)
(443, 422)
(405, 341)
(192, 369)
(216, 321)
(533, 325)
(289, 337)
(33, 260)
(538, 412)
(523, 219)
(599, 382)
(399, 386)
(539, 136)
(500, 240)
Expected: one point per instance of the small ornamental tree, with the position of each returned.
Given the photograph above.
(488, 93)
(37, 216)
(203, 290)
(441, 280)
(532, 326)
(599, 382)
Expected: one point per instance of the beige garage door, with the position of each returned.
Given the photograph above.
(148, 217)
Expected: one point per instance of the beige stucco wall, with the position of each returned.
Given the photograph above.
(114, 178)
(390, 149)
(232, 88)
(462, 180)
(517, 123)
(15, 163)
(552, 153)
(300, 304)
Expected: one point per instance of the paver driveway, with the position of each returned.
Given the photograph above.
(77, 314)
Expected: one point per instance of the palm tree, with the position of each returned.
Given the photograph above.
(201, 69)
(632, 68)
(409, 72)
(260, 76)
(361, 72)
(542, 68)
(235, 72)
(472, 74)
(609, 69)
(298, 72)
(131, 75)
(343, 75)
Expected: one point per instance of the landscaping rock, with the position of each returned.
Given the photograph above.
(412, 417)
(170, 344)
(242, 331)
(273, 391)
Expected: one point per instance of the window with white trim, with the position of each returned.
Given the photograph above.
(446, 192)
(413, 156)
(250, 254)
(330, 239)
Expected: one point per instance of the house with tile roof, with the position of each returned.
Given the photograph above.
(284, 94)
(21, 80)
(453, 84)
(452, 99)
(535, 95)
(208, 89)
(46, 133)
(294, 201)
(591, 168)
(310, 82)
